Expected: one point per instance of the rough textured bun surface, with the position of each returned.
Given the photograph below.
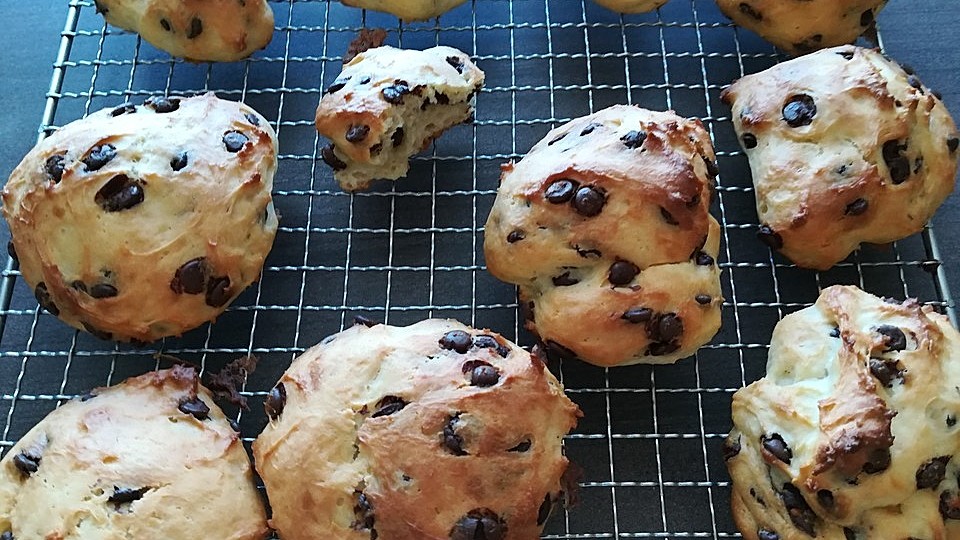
(852, 433)
(152, 457)
(388, 104)
(434, 430)
(200, 30)
(605, 227)
(802, 26)
(632, 6)
(845, 147)
(408, 10)
(145, 221)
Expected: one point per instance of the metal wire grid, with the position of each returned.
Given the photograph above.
(650, 441)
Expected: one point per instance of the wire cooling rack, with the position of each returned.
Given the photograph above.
(650, 441)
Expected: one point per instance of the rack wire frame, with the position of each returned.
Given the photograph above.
(650, 440)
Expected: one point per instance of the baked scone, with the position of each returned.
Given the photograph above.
(145, 221)
(198, 30)
(845, 147)
(852, 433)
(632, 6)
(388, 104)
(152, 457)
(408, 10)
(802, 26)
(412, 433)
(605, 227)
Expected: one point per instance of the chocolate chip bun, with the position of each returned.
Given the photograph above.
(388, 104)
(408, 10)
(605, 227)
(845, 147)
(208, 30)
(632, 6)
(145, 221)
(434, 430)
(852, 433)
(802, 26)
(152, 457)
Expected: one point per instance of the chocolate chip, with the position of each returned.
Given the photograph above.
(825, 498)
(543, 514)
(712, 170)
(591, 127)
(835, 332)
(662, 348)
(388, 405)
(866, 18)
(119, 193)
(363, 510)
(849, 534)
(556, 139)
(952, 144)
(191, 277)
(897, 163)
(337, 86)
(559, 350)
(588, 253)
(456, 340)
(357, 133)
(218, 292)
(668, 217)
(749, 140)
(163, 104)
(515, 236)
(622, 273)
(196, 28)
(394, 93)
(54, 167)
(878, 461)
(799, 110)
(127, 495)
(331, 159)
(885, 371)
(560, 191)
(275, 402)
(96, 332)
(195, 407)
(233, 425)
(252, 118)
(665, 327)
(634, 139)
(564, 280)
(43, 298)
(704, 259)
(456, 62)
(179, 161)
(99, 156)
(703, 299)
(951, 420)
(799, 511)
(809, 44)
(950, 505)
(749, 11)
(441, 98)
(846, 54)
(523, 446)
(165, 24)
(451, 441)
(103, 290)
(11, 250)
(731, 448)
(589, 201)
(637, 315)
(484, 341)
(234, 141)
(479, 524)
(397, 137)
(360, 319)
(767, 534)
(893, 337)
(26, 463)
(123, 109)
(777, 447)
(913, 81)
(918, 165)
(770, 237)
(931, 473)
(857, 207)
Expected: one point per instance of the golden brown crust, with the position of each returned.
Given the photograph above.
(199, 30)
(655, 172)
(107, 259)
(871, 163)
(408, 10)
(452, 447)
(184, 476)
(852, 433)
(632, 6)
(802, 26)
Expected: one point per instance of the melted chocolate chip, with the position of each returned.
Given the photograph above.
(950, 505)
(43, 298)
(703, 299)
(394, 94)
(103, 290)
(26, 463)
(234, 141)
(777, 447)
(119, 193)
(931, 473)
(704, 259)
(196, 28)
(825, 498)
(127, 495)
(799, 110)
(99, 156)
(275, 402)
(588, 253)
(165, 24)
(162, 104)
(913, 81)
(662, 348)
(337, 86)
(361, 320)
(124, 109)
(591, 127)
(252, 118)
(770, 237)
(456, 62)
(515, 236)
(179, 161)
(849, 534)
(749, 140)
(479, 524)
(846, 54)
(878, 461)
(389, 405)
(666, 327)
(897, 163)
(952, 144)
(560, 191)
(218, 291)
(357, 133)
(456, 340)
(885, 371)
(564, 280)
(96, 332)
(668, 217)
(866, 18)
(543, 514)
(731, 448)
(749, 11)
(857, 207)
(195, 407)
(191, 277)
(484, 341)
(799, 511)
(893, 337)
(363, 510)
(622, 273)
(54, 168)
(451, 441)
(523, 446)
(712, 170)
(634, 139)
(556, 139)
(397, 137)
(637, 315)
(331, 159)
(589, 201)
(767, 534)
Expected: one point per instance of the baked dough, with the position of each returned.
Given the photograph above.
(632, 6)
(199, 30)
(152, 457)
(388, 104)
(845, 147)
(802, 26)
(852, 433)
(434, 430)
(145, 221)
(605, 227)
(408, 10)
